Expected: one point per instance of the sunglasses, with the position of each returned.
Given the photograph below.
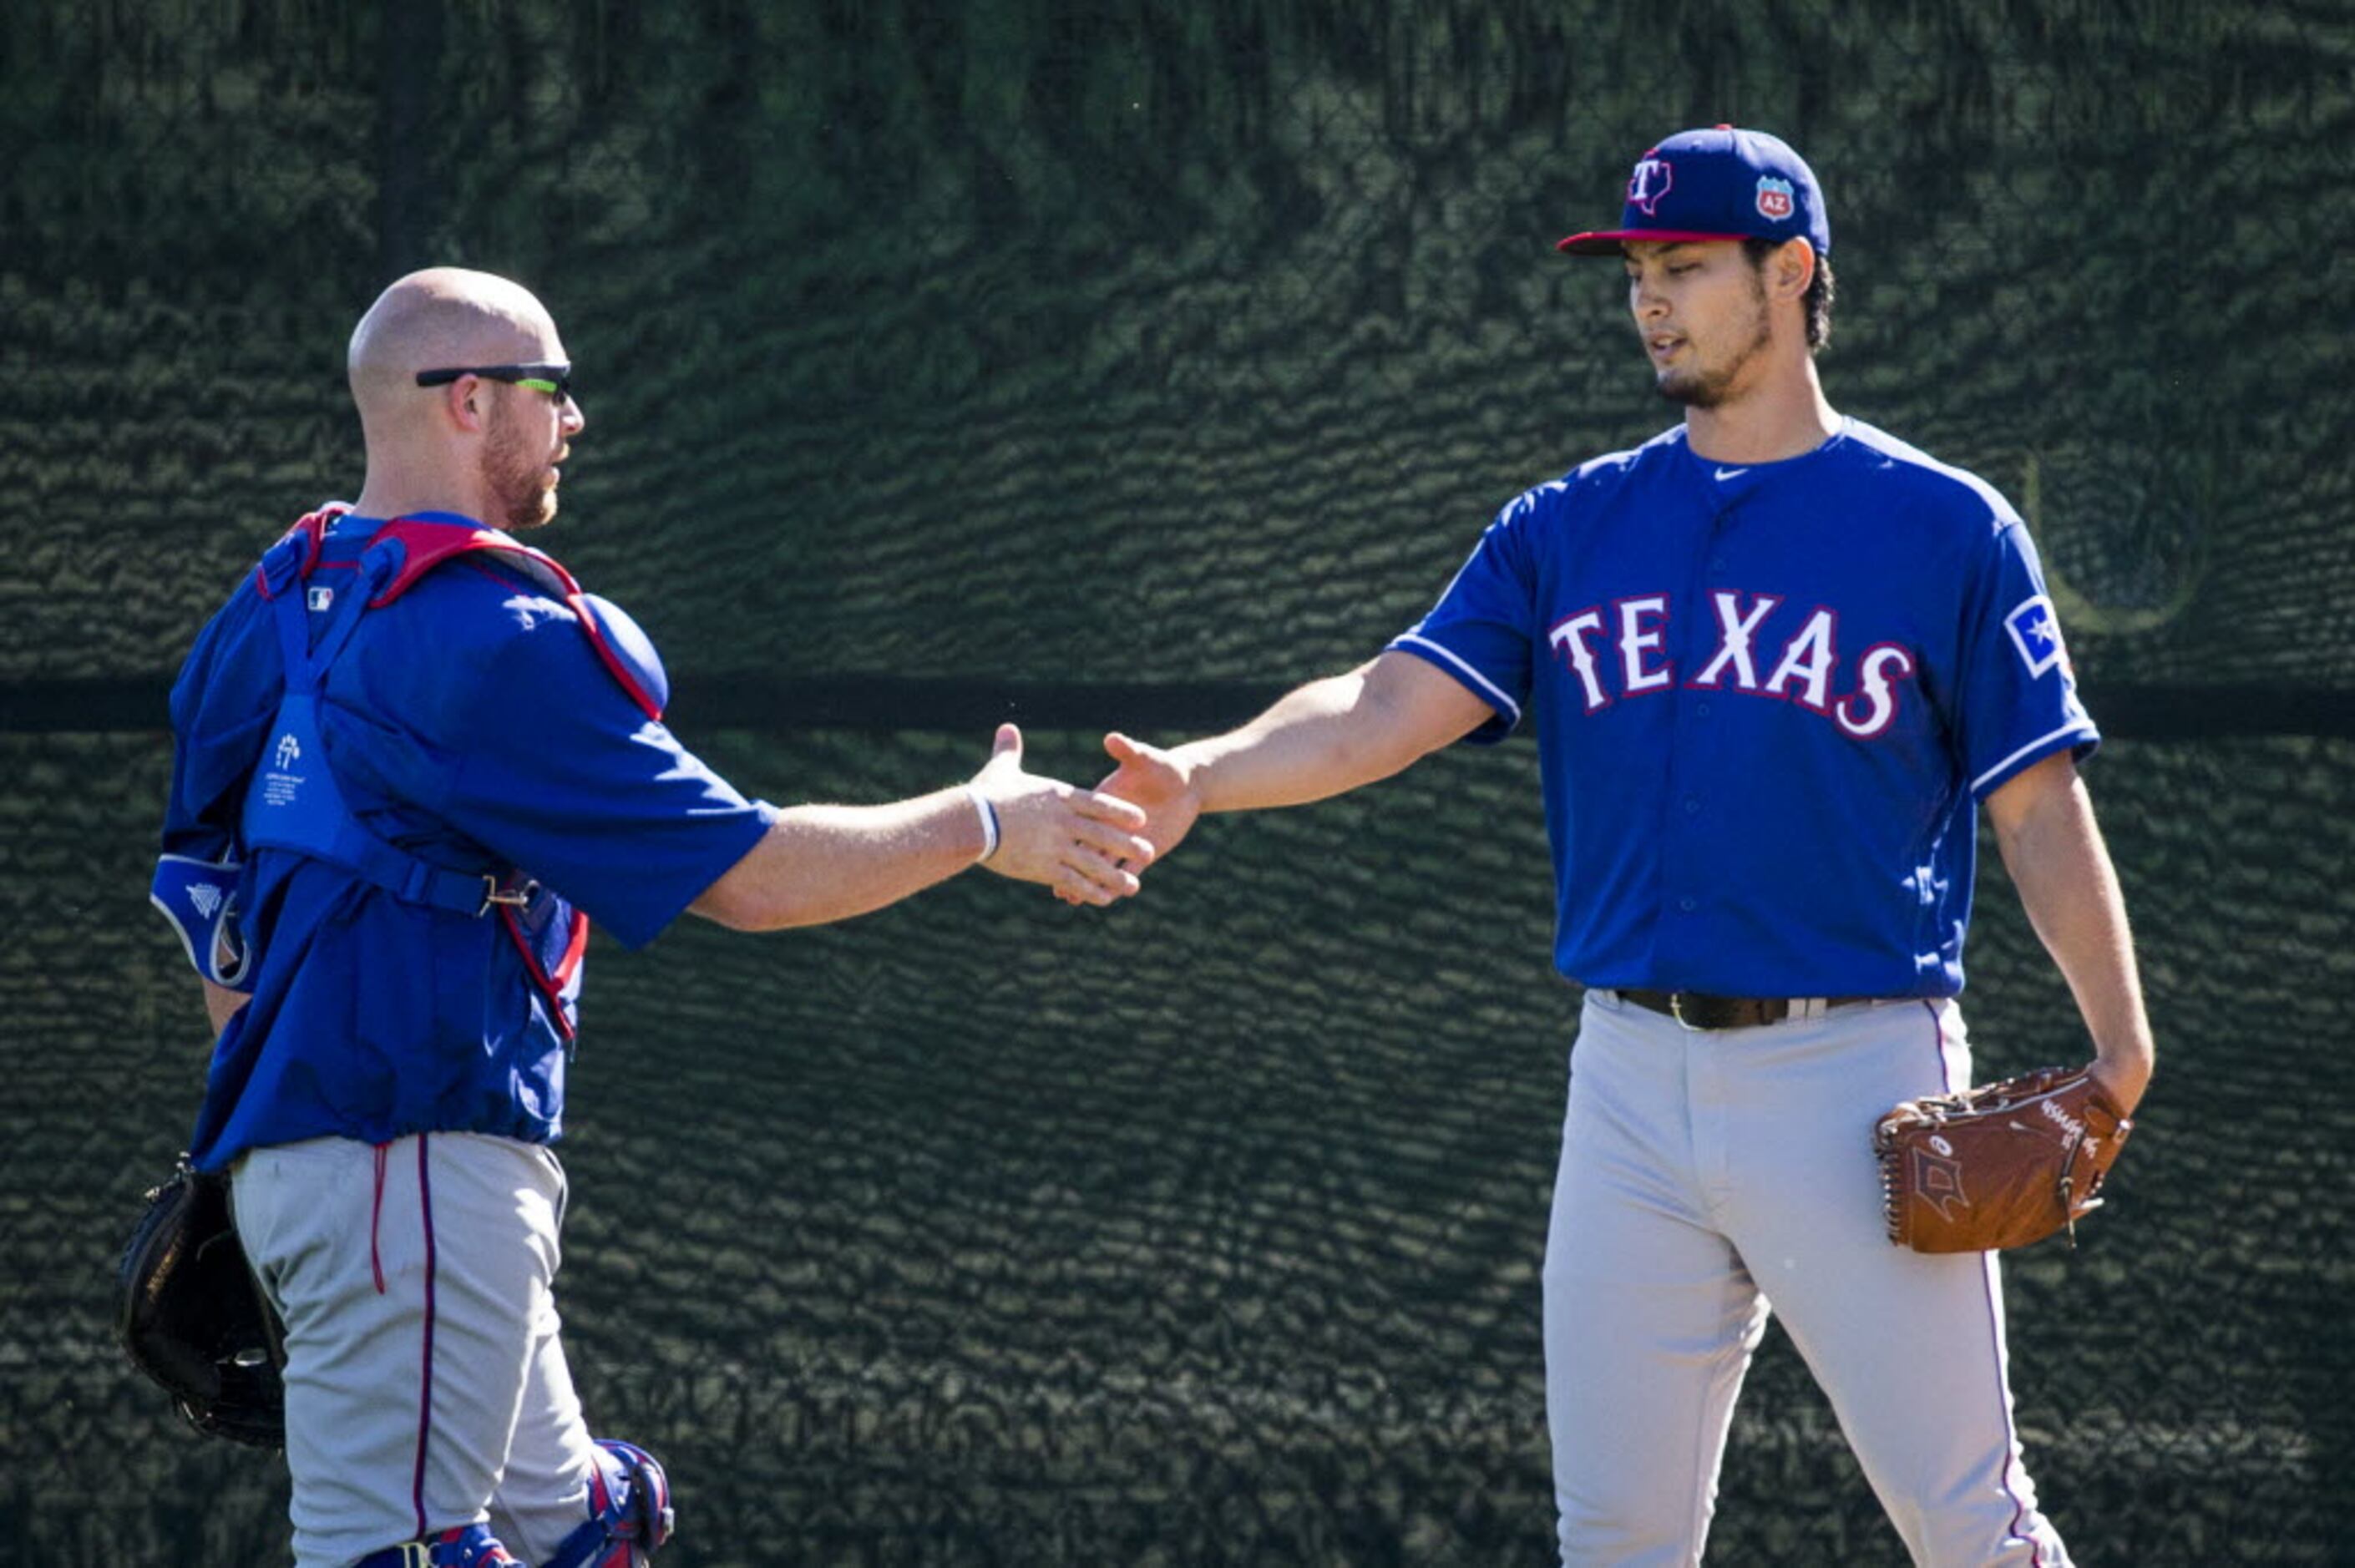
(552, 377)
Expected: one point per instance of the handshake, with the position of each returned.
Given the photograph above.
(828, 862)
(1088, 845)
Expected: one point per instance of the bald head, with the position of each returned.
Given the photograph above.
(441, 316)
(487, 448)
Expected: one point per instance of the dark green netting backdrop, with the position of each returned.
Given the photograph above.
(1121, 364)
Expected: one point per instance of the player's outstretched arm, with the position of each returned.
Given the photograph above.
(821, 863)
(2044, 827)
(1323, 739)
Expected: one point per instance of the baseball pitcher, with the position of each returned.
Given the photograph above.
(1778, 662)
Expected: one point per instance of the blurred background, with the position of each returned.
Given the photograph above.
(1120, 365)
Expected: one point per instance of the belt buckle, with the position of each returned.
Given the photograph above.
(1677, 1011)
(514, 898)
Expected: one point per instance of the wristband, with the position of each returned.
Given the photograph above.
(989, 822)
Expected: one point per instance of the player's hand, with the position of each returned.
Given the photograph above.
(1157, 781)
(1085, 845)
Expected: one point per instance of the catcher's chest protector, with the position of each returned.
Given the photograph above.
(291, 802)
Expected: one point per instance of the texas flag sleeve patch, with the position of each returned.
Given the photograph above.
(2036, 632)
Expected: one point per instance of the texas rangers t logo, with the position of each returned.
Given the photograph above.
(1648, 184)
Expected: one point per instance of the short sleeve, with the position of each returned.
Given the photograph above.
(2016, 699)
(561, 772)
(1479, 631)
(221, 706)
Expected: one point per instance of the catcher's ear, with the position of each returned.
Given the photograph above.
(463, 404)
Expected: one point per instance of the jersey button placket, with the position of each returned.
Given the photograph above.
(1682, 862)
(1685, 860)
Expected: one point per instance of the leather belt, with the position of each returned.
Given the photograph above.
(1696, 1011)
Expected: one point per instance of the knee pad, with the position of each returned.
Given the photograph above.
(472, 1546)
(629, 1510)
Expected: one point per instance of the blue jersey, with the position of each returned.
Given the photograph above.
(1768, 697)
(470, 724)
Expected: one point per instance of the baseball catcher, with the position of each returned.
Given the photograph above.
(191, 1316)
(1998, 1166)
(413, 759)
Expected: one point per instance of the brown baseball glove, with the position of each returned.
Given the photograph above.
(1998, 1166)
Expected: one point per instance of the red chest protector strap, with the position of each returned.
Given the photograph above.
(399, 555)
(417, 545)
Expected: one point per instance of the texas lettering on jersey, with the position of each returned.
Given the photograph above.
(1762, 649)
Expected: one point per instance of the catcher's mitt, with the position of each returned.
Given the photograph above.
(190, 1314)
(1998, 1166)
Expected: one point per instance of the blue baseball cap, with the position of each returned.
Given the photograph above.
(1718, 184)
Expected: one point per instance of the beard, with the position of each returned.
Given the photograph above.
(1706, 388)
(515, 478)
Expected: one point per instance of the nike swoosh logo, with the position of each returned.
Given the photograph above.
(1731, 472)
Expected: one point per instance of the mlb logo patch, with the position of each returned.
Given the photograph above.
(2036, 632)
(1774, 198)
(319, 598)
